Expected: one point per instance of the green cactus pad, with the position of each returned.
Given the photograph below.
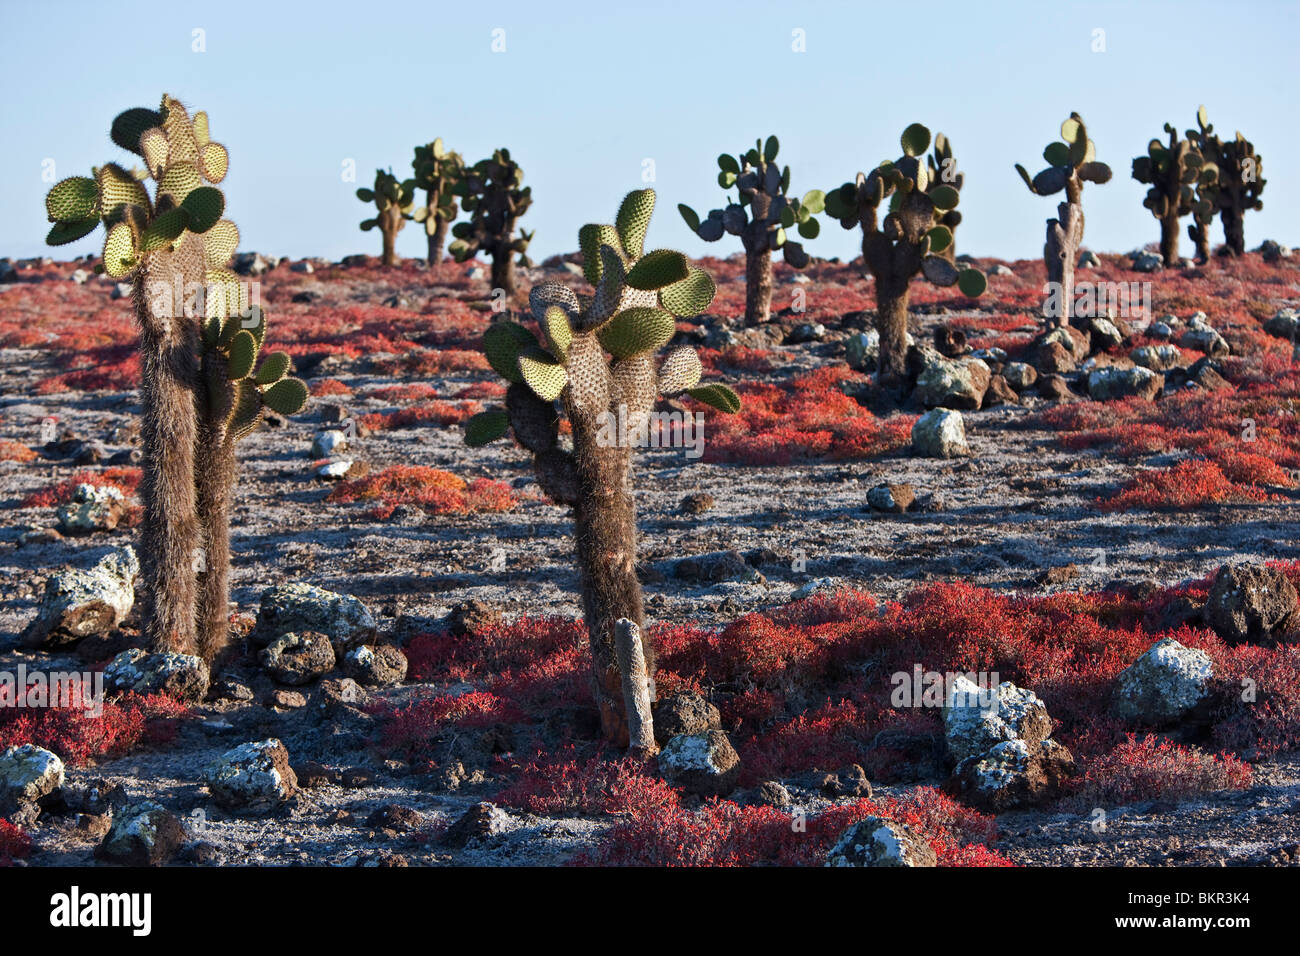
(164, 230)
(1070, 130)
(220, 243)
(691, 295)
(214, 162)
(944, 197)
(636, 330)
(940, 238)
(119, 251)
(502, 343)
(243, 353)
(201, 132)
(118, 188)
(542, 373)
(486, 427)
(915, 140)
(690, 215)
(246, 411)
(590, 238)
(972, 283)
(1093, 172)
(61, 233)
(287, 396)
(155, 150)
(204, 207)
(770, 148)
(1057, 154)
(558, 333)
(716, 395)
(809, 228)
(633, 220)
(178, 181)
(657, 270)
(128, 126)
(75, 199)
(274, 367)
(681, 369)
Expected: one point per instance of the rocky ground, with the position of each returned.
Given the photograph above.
(1021, 514)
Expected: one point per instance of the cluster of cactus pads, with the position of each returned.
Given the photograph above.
(596, 356)
(1231, 193)
(393, 199)
(761, 216)
(438, 171)
(202, 387)
(492, 191)
(915, 236)
(1181, 181)
(1071, 161)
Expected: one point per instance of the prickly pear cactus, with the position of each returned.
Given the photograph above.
(492, 191)
(1172, 170)
(393, 199)
(762, 216)
(1071, 162)
(595, 355)
(438, 171)
(915, 237)
(1233, 193)
(239, 389)
(1206, 204)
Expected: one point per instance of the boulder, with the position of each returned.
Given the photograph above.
(27, 774)
(380, 666)
(301, 607)
(976, 719)
(1163, 686)
(684, 714)
(1020, 375)
(253, 777)
(1158, 358)
(895, 499)
(952, 382)
(1147, 262)
(862, 350)
(874, 841)
(81, 603)
(298, 658)
(1205, 339)
(1000, 392)
(1283, 324)
(1111, 383)
(1055, 388)
(481, 821)
(713, 567)
(1105, 333)
(142, 834)
(91, 509)
(1251, 603)
(703, 763)
(940, 433)
(181, 676)
(328, 442)
(1012, 774)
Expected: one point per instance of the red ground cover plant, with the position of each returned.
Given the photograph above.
(15, 451)
(430, 489)
(78, 737)
(438, 413)
(558, 784)
(1188, 484)
(329, 386)
(1149, 767)
(15, 844)
(122, 477)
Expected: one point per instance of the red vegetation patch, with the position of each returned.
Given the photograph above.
(124, 478)
(430, 489)
(1188, 484)
(15, 844)
(1147, 768)
(329, 386)
(436, 413)
(554, 785)
(15, 451)
(78, 737)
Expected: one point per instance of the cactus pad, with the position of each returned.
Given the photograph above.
(486, 427)
(543, 373)
(716, 395)
(636, 330)
(287, 396)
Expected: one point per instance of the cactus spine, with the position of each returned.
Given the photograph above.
(916, 232)
(1172, 169)
(393, 199)
(437, 171)
(175, 247)
(598, 362)
(1070, 164)
(761, 217)
(494, 195)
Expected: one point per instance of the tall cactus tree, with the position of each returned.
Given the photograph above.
(437, 171)
(761, 217)
(175, 247)
(916, 231)
(494, 195)
(598, 361)
(1241, 180)
(393, 199)
(1171, 169)
(1070, 164)
(1206, 204)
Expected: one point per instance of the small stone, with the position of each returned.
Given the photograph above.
(862, 350)
(282, 699)
(896, 498)
(92, 509)
(298, 658)
(713, 567)
(1251, 603)
(1147, 262)
(874, 841)
(952, 383)
(253, 777)
(977, 718)
(1111, 383)
(143, 834)
(472, 617)
(381, 666)
(481, 821)
(940, 433)
(181, 676)
(327, 443)
(771, 793)
(1158, 358)
(704, 763)
(850, 782)
(27, 774)
(335, 469)
(697, 503)
(304, 607)
(1205, 339)
(1020, 375)
(1055, 388)
(1283, 324)
(1012, 774)
(396, 818)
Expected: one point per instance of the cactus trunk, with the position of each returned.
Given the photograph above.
(1234, 236)
(390, 252)
(168, 429)
(437, 239)
(216, 478)
(605, 538)
(1169, 239)
(1200, 234)
(1060, 255)
(758, 284)
(503, 271)
(891, 324)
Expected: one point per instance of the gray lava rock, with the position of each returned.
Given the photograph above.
(91, 509)
(83, 603)
(143, 834)
(254, 777)
(683, 714)
(975, 719)
(952, 383)
(1163, 686)
(182, 676)
(705, 763)
(878, 842)
(380, 666)
(27, 774)
(1110, 383)
(304, 607)
(1012, 774)
(940, 433)
(298, 658)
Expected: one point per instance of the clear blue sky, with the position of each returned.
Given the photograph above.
(585, 92)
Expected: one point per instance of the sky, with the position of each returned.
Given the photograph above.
(591, 99)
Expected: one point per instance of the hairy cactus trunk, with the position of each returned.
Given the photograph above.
(1060, 255)
(437, 239)
(168, 428)
(1169, 239)
(891, 324)
(503, 271)
(1234, 236)
(390, 251)
(216, 479)
(1200, 234)
(605, 538)
(758, 284)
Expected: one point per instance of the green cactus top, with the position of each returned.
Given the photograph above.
(438, 171)
(1070, 163)
(393, 199)
(492, 191)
